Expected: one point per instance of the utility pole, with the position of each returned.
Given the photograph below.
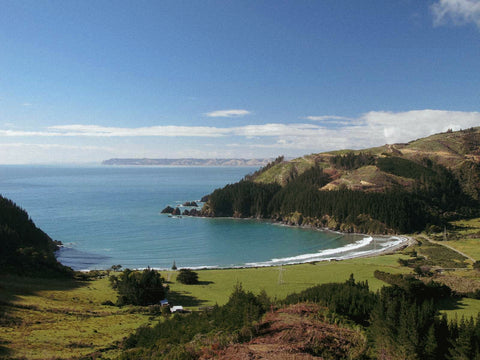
(280, 275)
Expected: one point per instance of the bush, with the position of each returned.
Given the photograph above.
(187, 277)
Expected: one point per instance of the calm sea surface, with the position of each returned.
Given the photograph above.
(111, 215)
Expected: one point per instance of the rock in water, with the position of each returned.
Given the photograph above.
(190, 203)
(168, 210)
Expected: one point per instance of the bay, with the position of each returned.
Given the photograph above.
(111, 215)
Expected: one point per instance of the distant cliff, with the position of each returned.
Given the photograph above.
(188, 162)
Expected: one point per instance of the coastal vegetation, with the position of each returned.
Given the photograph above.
(400, 188)
(24, 248)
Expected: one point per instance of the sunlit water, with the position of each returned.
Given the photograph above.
(111, 215)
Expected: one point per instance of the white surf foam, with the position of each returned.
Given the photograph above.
(346, 252)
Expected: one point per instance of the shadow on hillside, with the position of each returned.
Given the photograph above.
(5, 353)
(184, 298)
(12, 286)
(204, 283)
(451, 303)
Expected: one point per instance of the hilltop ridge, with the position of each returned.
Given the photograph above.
(458, 151)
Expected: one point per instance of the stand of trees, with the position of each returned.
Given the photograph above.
(352, 161)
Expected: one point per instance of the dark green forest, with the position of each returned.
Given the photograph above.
(435, 198)
(24, 248)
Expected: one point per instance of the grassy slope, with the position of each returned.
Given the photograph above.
(62, 318)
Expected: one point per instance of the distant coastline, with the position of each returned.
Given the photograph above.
(186, 162)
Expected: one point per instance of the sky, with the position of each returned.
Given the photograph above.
(84, 81)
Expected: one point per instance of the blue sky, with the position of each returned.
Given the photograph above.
(83, 81)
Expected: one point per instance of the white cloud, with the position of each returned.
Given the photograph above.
(52, 146)
(104, 131)
(458, 11)
(328, 118)
(376, 126)
(409, 125)
(228, 113)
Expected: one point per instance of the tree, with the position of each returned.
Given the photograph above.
(139, 288)
(116, 267)
(187, 277)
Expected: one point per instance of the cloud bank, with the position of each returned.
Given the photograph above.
(460, 12)
(374, 128)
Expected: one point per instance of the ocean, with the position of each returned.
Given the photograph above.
(106, 216)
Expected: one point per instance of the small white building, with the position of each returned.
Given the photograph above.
(178, 308)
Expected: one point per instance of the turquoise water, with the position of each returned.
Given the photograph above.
(111, 215)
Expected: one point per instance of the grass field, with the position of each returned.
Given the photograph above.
(466, 237)
(46, 319)
(216, 285)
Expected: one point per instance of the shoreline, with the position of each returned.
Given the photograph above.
(404, 241)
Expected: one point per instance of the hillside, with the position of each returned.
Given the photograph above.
(458, 151)
(388, 189)
(24, 248)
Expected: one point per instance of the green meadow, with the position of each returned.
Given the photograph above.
(215, 285)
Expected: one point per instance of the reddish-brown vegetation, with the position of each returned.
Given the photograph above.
(297, 332)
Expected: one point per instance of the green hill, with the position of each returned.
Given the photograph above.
(387, 189)
(24, 248)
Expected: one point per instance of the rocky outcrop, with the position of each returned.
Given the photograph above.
(168, 210)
